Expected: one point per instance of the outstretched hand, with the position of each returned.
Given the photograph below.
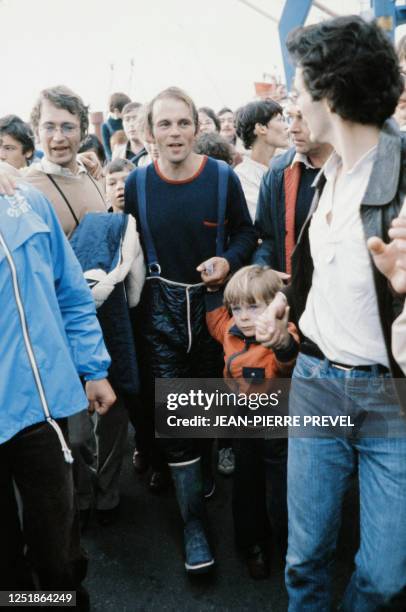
(390, 259)
(272, 325)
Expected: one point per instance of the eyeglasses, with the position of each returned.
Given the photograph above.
(67, 129)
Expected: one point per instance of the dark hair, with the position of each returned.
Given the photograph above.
(19, 130)
(177, 94)
(92, 143)
(131, 106)
(62, 97)
(352, 64)
(118, 165)
(214, 145)
(210, 113)
(223, 110)
(260, 111)
(118, 100)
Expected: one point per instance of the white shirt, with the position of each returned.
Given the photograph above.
(49, 167)
(341, 314)
(301, 157)
(250, 174)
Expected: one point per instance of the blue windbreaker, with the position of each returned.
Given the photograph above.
(49, 332)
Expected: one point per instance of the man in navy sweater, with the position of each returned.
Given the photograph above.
(192, 238)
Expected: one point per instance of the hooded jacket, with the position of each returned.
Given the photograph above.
(48, 326)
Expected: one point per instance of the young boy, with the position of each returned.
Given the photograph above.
(116, 173)
(246, 297)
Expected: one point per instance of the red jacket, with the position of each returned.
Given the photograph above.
(245, 358)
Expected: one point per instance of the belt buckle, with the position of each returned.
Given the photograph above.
(341, 367)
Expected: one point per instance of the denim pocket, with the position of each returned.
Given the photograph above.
(307, 367)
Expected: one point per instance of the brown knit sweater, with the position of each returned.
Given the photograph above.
(83, 193)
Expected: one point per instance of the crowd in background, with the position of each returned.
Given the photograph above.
(229, 243)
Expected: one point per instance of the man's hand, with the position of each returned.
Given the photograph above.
(390, 259)
(271, 326)
(283, 276)
(280, 338)
(100, 395)
(92, 164)
(8, 183)
(214, 272)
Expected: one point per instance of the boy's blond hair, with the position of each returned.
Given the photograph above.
(252, 284)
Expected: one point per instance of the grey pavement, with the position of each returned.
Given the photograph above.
(136, 565)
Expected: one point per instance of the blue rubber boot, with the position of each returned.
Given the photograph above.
(189, 492)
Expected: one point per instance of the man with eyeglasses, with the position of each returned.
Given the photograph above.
(60, 119)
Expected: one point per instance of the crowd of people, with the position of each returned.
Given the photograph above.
(263, 243)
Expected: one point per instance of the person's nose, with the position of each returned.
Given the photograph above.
(294, 127)
(174, 130)
(244, 314)
(58, 135)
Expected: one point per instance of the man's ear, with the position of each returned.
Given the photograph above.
(259, 129)
(328, 106)
(29, 154)
(149, 136)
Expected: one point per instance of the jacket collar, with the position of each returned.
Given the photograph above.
(383, 183)
(234, 331)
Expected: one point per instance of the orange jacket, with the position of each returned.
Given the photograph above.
(245, 358)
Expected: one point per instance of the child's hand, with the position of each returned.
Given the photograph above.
(272, 332)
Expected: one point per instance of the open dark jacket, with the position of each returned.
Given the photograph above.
(270, 218)
(381, 203)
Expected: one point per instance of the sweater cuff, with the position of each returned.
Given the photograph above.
(233, 260)
(96, 376)
(213, 300)
(289, 353)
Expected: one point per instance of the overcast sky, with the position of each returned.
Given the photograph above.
(214, 49)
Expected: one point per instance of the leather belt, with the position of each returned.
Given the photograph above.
(307, 347)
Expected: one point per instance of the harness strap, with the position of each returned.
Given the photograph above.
(154, 269)
(64, 198)
(223, 174)
(153, 266)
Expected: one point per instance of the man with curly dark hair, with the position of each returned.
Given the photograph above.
(348, 84)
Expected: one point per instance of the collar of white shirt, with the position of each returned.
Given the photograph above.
(303, 159)
(50, 168)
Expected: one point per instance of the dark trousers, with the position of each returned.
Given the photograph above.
(259, 491)
(163, 321)
(34, 460)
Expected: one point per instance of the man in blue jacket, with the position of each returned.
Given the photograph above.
(50, 338)
(286, 193)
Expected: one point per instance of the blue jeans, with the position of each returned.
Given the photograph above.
(319, 472)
